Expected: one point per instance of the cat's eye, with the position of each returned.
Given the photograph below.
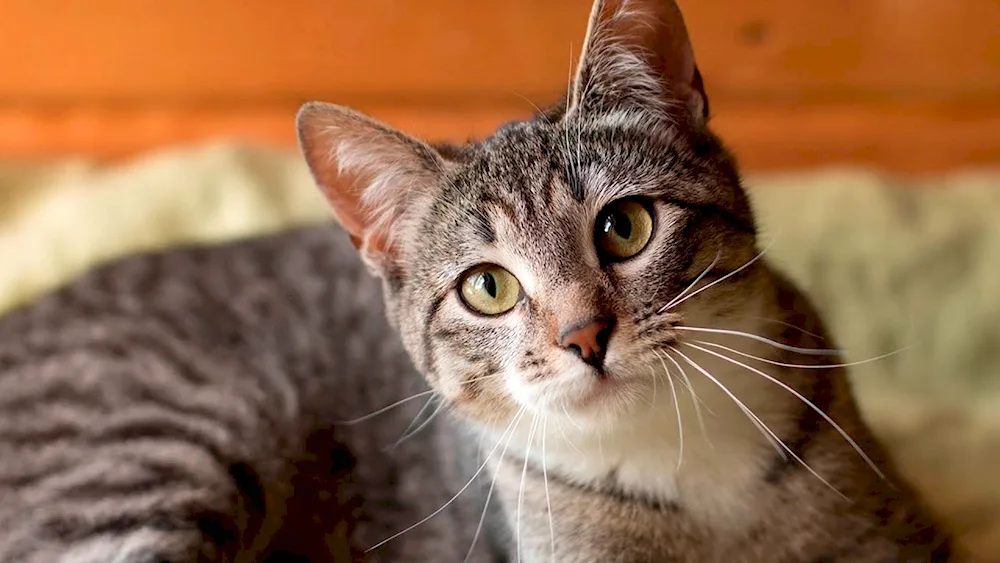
(490, 290)
(623, 229)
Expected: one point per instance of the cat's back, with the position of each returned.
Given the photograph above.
(171, 403)
(306, 265)
(266, 300)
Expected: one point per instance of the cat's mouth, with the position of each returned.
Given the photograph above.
(589, 388)
(604, 388)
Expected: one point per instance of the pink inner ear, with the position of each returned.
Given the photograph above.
(343, 190)
(366, 170)
(321, 128)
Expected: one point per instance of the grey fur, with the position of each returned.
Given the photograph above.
(185, 404)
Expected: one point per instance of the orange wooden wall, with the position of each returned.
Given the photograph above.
(910, 85)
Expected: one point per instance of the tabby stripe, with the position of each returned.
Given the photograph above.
(159, 430)
(483, 227)
(120, 349)
(742, 225)
(55, 391)
(35, 436)
(505, 207)
(427, 336)
(89, 406)
(25, 479)
(88, 401)
(549, 188)
(168, 515)
(68, 528)
(59, 461)
(149, 477)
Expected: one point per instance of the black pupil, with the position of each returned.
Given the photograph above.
(489, 283)
(619, 223)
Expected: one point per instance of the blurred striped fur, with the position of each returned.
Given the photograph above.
(181, 407)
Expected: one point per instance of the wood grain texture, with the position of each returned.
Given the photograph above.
(904, 84)
(918, 138)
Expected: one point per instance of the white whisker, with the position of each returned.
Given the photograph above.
(385, 409)
(572, 172)
(760, 424)
(579, 144)
(489, 495)
(510, 429)
(770, 436)
(538, 110)
(563, 432)
(677, 408)
(697, 401)
(407, 434)
(777, 322)
(482, 436)
(520, 492)
(746, 265)
(776, 344)
(802, 366)
(802, 398)
(703, 273)
(652, 370)
(548, 501)
(416, 418)
(570, 418)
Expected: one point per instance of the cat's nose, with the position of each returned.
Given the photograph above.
(588, 339)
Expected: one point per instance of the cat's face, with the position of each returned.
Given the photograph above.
(540, 273)
(540, 269)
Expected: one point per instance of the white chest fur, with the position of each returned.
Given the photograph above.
(707, 463)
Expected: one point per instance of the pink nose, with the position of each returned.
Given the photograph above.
(589, 339)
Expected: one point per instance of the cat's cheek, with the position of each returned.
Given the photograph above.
(488, 409)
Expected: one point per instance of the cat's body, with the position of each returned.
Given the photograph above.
(584, 289)
(171, 403)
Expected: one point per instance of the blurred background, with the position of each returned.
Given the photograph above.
(911, 85)
(869, 132)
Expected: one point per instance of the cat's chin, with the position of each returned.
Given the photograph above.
(586, 395)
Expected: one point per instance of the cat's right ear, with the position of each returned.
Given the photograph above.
(369, 172)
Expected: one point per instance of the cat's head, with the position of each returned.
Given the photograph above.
(540, 268)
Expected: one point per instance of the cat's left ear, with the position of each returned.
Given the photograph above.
(370, 173)
(637, 56)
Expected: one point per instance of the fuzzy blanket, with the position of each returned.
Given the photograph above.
(893, 264)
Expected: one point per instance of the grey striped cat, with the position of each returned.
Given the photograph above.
(184, 406)
(583, 292)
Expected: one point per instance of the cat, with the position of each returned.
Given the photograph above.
(586, 289)
(578, 292)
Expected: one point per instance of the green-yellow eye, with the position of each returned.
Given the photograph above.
(490, 290)
(623, 229)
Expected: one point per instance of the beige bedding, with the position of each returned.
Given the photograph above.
(892, 264)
